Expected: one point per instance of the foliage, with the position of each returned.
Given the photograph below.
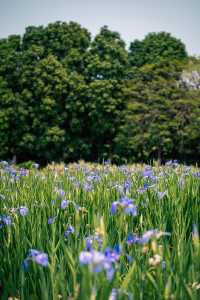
(65, 97)
(156, 47)
(158, 116)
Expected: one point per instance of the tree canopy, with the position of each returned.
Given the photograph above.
(65, 96)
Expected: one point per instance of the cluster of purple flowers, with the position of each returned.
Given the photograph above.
(126, 204)
(124, 170)
(93, 239)
(37, 256)
(149, 175)
(23, 172)
(127, 185)
(23, 211)
(5, 221)
(197, 174)
(99, 261)
(172, 163)
(64, 204)
(12, 172)
(51, 220)
(70, 229)
(145, 238)
(87, 186)
(143, 189)
(93, 177)
(75, 181)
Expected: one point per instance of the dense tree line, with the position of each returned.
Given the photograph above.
(65, 97)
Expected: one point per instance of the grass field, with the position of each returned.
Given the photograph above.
(86, 231)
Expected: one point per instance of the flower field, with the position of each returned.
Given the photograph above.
(89, 231)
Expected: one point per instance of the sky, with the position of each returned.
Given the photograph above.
(133, 19)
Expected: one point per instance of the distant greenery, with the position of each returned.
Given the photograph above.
(65, 96)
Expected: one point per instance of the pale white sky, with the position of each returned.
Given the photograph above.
(133, 19)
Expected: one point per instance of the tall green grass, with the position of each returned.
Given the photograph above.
(175, 275)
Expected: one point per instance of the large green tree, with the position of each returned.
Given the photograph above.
(156, 47)
(147, 132)
(65, 41)
(107, 57)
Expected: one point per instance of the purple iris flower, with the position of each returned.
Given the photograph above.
(131, 210)
(110, 271)
(25, 264)
(87, 187)
(90, 240)
(70, 230)
(23, 172)
(88, 243)
(42, 259)
(147, 236)
(142, 240)
(112, 255)
(51, 220)
(114, 207)
(85, 257)
(126, 204)
(33, 252)
(64, 204)
(132, 239)
(142, 190)
(172, 163)
(23, 211)
(113, 295)
(117, 248)
(127, 185)
(147, 173)
(99, 261)
(197, 174)
(37, 256)
(77, 184)
(5, 220)
(61, 193)
(161, 194)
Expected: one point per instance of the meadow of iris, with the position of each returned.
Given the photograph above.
(89, 231)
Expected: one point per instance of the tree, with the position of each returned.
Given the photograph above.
(156, 47)
(107, 57)
(187, 124)
(104, 105)
(47, 109)
(65, 41)
(147, 130)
